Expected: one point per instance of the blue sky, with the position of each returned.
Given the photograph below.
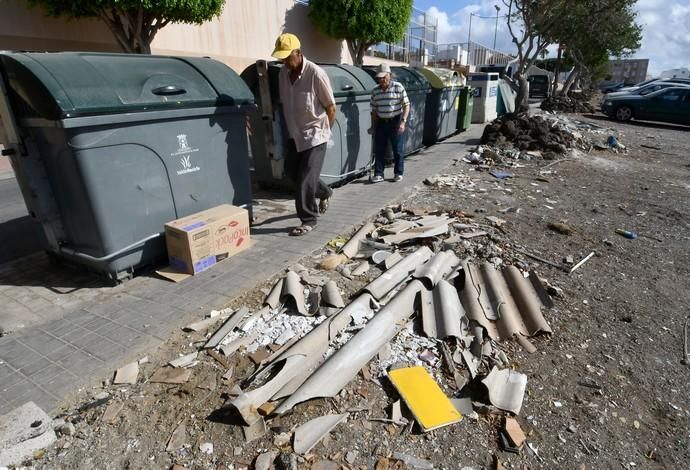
(666, 28)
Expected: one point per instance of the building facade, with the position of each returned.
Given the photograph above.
(628, 71)
(244, 33)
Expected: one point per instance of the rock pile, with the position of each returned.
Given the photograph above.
(526, 132)
(575, 104)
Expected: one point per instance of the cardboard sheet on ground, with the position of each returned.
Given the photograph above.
(425, 399)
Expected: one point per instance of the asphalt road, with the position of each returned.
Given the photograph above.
(20, 235)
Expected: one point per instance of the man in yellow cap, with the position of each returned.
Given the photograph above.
(309, 111)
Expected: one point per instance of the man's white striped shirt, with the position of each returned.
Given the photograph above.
(390, 102)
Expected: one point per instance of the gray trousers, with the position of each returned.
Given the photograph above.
(305, 169)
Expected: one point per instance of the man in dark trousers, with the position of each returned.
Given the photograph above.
(309, 111)
(389, 110)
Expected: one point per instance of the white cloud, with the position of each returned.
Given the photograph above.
(666, 30)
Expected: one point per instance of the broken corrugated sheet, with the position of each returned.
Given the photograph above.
(362, 268)
(344, 364)
(289, 370)
(310, 433)
(331, 300)
(413, 233)
(507, 305)
(392, 260)
(380, 286)
(442, 312)
(506, 389)
(273, 297)
(439, 266)
(351, 248)
(226, 328)
(294, 292)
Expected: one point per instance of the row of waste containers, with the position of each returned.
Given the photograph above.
(107, 148)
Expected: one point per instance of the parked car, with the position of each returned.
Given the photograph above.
(538, 85)
(667, 105)
(610, 88)
(644, 90)
(681, 80)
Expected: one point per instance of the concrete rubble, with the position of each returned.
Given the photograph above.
(23, 431)
(448, 304)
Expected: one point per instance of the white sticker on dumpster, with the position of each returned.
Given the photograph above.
(184, 151)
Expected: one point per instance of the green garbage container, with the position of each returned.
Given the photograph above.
(119, 144)
(349, 150)
(465, 110)
(442, 104)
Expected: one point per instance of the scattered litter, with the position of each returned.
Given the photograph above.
(254, 431)
(562, 228)
(188, 360)
(178, 438)
(583, 261)
(111, 412)
(629, 234)
(412, 461)
(514, 431)
(424, 398)
(127, 374)
(506, 389)
(310, 433)
(206, 447)
(170, 375)
(501, 175)
(380, 256)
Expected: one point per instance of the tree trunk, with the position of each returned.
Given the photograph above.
(557, 71)
(360, 55)
(569, 82)
(352, 49)
(522, 99)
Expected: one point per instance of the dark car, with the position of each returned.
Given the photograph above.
(538, 85)
(667, 105)
(612, 87)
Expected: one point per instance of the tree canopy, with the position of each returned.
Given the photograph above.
(590, 31)
(362, 23)
(134, 23)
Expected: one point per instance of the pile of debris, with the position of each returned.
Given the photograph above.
(527, 132)
(566, 104)
(441, 309)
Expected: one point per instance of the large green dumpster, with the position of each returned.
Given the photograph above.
(349, 150)
(465, 111)
(442, 104)
(119, 144)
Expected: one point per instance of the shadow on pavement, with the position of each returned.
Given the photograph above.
(20, 237)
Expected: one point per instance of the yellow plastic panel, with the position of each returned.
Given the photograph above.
(425, 399)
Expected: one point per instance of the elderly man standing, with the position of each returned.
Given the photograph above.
(389, 110)
(309, 111)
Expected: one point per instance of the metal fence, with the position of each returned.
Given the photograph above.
(450, 55)
(417, 45)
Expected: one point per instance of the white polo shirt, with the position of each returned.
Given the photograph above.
(304, 105)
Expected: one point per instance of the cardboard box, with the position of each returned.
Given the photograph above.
(198, 241)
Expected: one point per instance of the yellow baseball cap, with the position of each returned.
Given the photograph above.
(285, 44)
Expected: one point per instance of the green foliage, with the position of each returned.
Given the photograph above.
(362, 23)
(134, 23)
(176, 11)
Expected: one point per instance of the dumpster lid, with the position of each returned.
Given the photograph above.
(73, 84)
(409, 78)
(441, 78)
(348, 79)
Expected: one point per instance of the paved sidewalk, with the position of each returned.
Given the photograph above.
(82, 331)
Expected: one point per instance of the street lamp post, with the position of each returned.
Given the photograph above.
(496, 28)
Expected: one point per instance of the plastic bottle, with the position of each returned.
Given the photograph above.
(629, 234)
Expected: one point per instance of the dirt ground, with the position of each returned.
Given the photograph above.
(606, 390)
